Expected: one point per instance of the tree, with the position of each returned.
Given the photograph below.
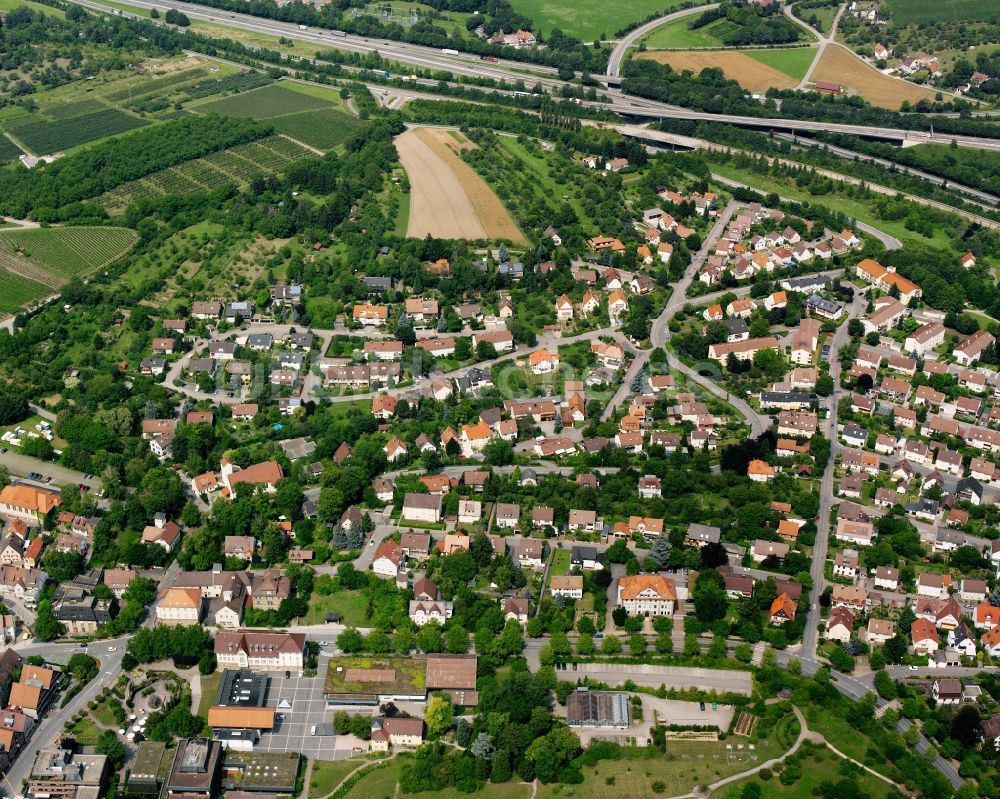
(965, 725)
(47, 626)
(109, 745)
(710, 602)
(350, 641)
(660, 551)
(611, 645)
(482, 747)
(437, 715)
(498, 452)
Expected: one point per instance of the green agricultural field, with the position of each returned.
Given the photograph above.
(324, 129)
(265, 103)
(236, 165)
(74, 108)
(10, 5)
(19, 291)
(8, 150)
(156, 84)
(678, 35)
(42, 136)
(793, 61)
(588, 19)
(907, 12)
(60, 253)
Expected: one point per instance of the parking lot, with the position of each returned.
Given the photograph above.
(300, 706)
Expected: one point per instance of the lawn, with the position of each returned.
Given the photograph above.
(351, 605)
(907, 12)
(381, 784)
(845, 738)
(837, 203)
(560, 562)
(818, 765)
(793, 61)
(324, 128)
(265, 103)
(103, 713)
(209, 689)
(328, 774)
(678, 35)
(588, 19)
(85, 731)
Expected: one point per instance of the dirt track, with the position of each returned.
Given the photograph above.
(447, 199)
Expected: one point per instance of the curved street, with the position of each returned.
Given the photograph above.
(629, 40)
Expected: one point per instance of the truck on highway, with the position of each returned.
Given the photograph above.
(303, 27)
(491, 58)
(382, 73)
(338, 33)
(449, 51)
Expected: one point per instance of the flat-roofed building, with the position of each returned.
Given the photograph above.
(196, 770)
(454, 674)
(61, 774)
(586, 708)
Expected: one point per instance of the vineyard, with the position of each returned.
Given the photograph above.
(19, 291)
(270, 101)
(236, 165)
(134, 91)
(8, 150)
(42, 136)
(324, 129)
(53, 255)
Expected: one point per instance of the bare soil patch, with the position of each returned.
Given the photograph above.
(749, 73)
(837, 65)
(447, 198)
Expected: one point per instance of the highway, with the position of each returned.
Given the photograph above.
(984, 197)
(531, 74)
(630, 39)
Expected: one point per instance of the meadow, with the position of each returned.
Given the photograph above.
(678, 35)
(906, 12)
(792, 61)
(589, 19)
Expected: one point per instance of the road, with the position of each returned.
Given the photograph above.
(810, 637)
(824, 39)
(631, 38)
(52, 724)
(512, 72)
(889, 242)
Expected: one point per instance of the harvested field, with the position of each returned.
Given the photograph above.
(839, 66)
(447, 199)
(750, 73)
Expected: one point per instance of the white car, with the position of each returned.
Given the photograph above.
(913, 668)
(112, 648)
